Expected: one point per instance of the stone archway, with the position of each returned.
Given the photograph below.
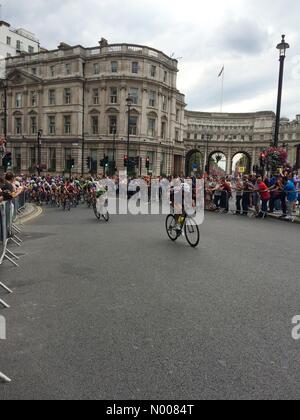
(217, 164)
(194, 163)
(241, 163)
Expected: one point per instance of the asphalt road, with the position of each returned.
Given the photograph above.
(117, 311)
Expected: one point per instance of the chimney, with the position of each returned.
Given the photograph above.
(64, 46)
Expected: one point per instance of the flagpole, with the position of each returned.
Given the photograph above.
(222, 90)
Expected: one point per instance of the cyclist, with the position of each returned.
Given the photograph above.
(179, 190)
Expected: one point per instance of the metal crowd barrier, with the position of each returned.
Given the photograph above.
(9, 211)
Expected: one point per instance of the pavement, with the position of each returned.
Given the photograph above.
(117, 311)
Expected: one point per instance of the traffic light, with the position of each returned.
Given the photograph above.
(88, 162)
(147, 163)
(104, 162)
(7, 161)
(125, 161)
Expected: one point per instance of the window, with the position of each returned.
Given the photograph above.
(18, 158)
(30, 49)
(33, 126)
(33, 99)
(114, 67)
(163, 129)
(151, 127)
(112, 124)
(8, 40)
(96, 96)
(51, 125)
(18, 45)
(18, 100)
(2, 125)
(68, 69)
(18, 125)
(96, 68)
(151, 156)
(135, 67)
(95, 125)
(133, 126)
(52, 159)
(134, 93)
(166, 77)
(165, 103)
(177, 114)
(152, 98)
(33, 71)
(68, 157)
(177, 135)
(189, 136)
(113, 95)
(153, 71)
(52, 97)
(67, 124)
(195, 136)
(67, 96)
(52, 71)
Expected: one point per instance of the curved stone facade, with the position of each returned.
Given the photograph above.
(232, 134)
(77, 96)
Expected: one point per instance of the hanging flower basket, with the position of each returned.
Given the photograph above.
(274, 157)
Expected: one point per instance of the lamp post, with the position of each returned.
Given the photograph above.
(3, 85)
(129, 102)
(208, 138)
(114, 149)
(39, 149)
(282, 47)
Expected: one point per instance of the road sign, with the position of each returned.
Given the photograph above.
(195, 166)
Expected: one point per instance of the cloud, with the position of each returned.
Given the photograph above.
(242, 36)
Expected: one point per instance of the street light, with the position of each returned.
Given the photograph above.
(39, 145)
(3, 85)
(114, 149)
(208, 138)
(282, 47)
(129, 102)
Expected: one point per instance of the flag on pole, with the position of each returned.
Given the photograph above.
(222, 71)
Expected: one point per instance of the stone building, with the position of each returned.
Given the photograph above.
(77, 96)
(15, 42)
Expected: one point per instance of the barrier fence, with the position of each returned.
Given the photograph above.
(247, 202)
(9, 231)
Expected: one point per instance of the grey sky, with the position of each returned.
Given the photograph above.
(241, 34)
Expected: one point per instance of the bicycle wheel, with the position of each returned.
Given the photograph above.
(98, 215)
(106, 217)
(171, 228)
(192, 232)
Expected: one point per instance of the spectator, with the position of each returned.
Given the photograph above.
(264, 196)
